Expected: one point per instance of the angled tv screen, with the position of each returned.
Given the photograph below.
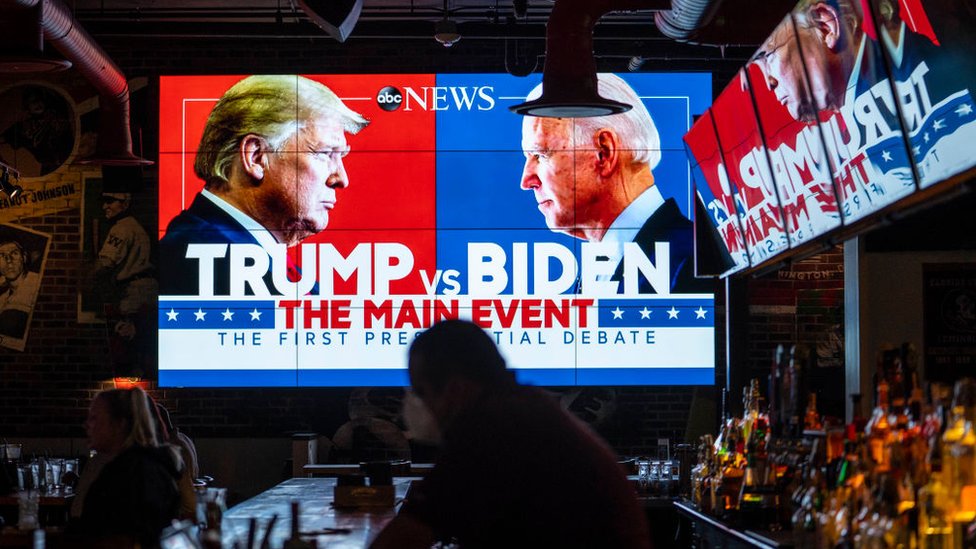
(310, 226)
(845, 111)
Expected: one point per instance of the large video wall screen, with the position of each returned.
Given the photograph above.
(312, 253)
(847, 108)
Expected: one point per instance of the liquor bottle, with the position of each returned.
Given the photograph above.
(959, 448)
(964, 453)
(774, 409)
(798, 355)
(811, 419)
(750, 408)
(700, 474)
(935, 513)
(758, 498)
(916, 400)
(858, 421)
(878, 430)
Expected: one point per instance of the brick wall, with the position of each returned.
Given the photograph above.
(45, 390)
(800, 304)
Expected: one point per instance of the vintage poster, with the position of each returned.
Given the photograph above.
(23, 255)
(949, 309)
(405, 199)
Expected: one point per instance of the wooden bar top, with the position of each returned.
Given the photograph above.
(331, 527)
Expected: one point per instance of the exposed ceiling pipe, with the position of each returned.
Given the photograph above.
(63, 32)
(569, 82)
(686, 18)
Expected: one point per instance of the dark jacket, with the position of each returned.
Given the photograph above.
(134, 497)
(668, 224)
(202, 223)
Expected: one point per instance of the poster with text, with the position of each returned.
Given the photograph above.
(949, 314)
(313, 256)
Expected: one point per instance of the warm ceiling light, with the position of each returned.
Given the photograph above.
(130, 383)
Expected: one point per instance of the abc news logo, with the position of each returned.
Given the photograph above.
(389, 98)
(437, 98)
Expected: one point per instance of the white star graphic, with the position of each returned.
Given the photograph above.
(925, 136)
(171, 315)
(886, 156)
(916, 150)
(645, 313)
(200, 314)
(938, 124)
(255, 314)
(228, 315)
(964, 109)
(617, 313)
(672, 312)
(700, 312)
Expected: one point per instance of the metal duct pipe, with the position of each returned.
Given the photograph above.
(569, 82)
(685, 18)
(63, 32)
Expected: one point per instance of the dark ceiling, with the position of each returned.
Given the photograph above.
(736, 23)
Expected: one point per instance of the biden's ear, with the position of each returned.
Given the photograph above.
(608, 151)
(254, 156)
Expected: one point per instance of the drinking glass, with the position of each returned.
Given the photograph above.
(11, 452)
(27, 506)
(654, 477)
(643, 472)
(71, 465)
(56, 467)
(211, 504)
(36, 476)
(24, 478)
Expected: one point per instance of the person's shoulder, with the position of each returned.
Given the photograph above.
(663, 223)
(202, 222)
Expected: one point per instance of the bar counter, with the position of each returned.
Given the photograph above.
(331, 527)
(707, 531)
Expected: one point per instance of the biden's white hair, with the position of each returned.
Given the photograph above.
(635, 127)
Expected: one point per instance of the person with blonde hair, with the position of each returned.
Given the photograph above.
(271, 159)
(135, 494)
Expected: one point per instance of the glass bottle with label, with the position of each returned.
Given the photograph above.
(878, 430)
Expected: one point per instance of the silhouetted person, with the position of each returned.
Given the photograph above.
(515, 469)
(135, 495)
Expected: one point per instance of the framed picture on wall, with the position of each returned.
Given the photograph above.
(23, 255)
(91, 307)
(949, 309)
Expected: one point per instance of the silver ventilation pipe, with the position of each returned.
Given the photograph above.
(686, 18)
